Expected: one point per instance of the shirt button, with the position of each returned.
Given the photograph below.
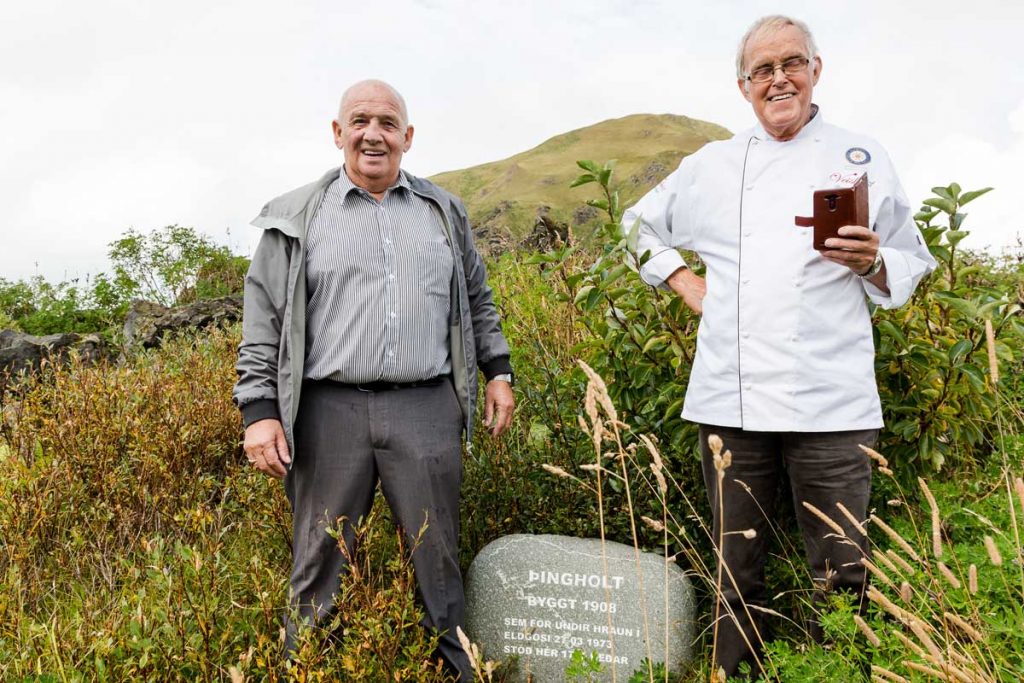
(746, 234)
(750, 187)
(392, 314)
(797, 283)
(795, 338)
(391, 353)
(388, 241)
(746, 335)
(747, 387)
(746, 282)
(391, 276)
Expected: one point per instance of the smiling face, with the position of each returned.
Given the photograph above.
(783, 104)
(372, 131)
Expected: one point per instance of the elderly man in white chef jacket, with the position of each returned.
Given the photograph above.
(784, 370)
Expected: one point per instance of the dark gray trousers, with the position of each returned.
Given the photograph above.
(408, 439)
(823, 468)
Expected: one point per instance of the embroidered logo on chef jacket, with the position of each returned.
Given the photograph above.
(858, 155)
(845, 178)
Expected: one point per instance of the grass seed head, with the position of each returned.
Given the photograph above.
(950, 577)
(897, 539)
(653, 523)
(993, 552)
(936, 519)
(866, 630)
(964, 625)
(662, 484)
(884, 674)
(990, 346)
(826, 520)
(556, 470)
(875, 455)
(851, 519)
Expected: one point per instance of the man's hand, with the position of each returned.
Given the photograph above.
(267, 448)
(499, 404)
(690, 287)
(856, 248)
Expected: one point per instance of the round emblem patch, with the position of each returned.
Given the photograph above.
(858, 155)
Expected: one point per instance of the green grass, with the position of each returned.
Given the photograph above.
(647, 147)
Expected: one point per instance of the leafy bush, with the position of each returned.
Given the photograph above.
(39, 307)
(174, 265)
(933, 362)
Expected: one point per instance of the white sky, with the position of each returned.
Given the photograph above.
(138, 113)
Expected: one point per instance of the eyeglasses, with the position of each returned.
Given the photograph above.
(790, 67)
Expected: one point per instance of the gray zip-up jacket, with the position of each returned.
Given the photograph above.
(272, 353)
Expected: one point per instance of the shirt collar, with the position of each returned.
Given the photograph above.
(346, 186)
(810, 128)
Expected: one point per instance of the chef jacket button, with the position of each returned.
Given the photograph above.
(747, 387)
(750, 187)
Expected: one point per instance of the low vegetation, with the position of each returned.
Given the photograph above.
(136, 545)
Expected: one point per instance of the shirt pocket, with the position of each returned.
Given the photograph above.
(434, 264)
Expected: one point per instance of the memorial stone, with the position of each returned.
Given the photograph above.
(540, 598)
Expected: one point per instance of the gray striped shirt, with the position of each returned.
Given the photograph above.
(378, 278)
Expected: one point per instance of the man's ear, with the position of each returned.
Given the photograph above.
(338, 142)
(408, 138)
(817, 69)
(744, 86)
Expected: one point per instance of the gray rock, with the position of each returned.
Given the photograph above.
(146, 322)
(539, 598)
(21, 353)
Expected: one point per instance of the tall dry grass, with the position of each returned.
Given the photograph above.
(945, 600)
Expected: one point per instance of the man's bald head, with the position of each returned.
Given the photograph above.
(370, 85)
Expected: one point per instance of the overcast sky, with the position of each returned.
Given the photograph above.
(140, 113)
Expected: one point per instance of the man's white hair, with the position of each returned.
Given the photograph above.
(773, 22)
(399, 100)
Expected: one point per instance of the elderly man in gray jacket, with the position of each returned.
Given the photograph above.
(367, 299)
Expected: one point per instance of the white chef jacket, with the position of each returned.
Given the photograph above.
(784, 343)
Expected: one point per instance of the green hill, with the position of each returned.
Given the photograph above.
(505, 197)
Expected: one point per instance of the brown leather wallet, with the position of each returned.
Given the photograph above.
(836, 207)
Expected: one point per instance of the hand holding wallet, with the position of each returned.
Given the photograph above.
(836, 207)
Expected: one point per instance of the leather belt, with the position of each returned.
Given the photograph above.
(383, 385)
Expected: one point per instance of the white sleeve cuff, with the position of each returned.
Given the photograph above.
(898, 277)
(660, 266)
